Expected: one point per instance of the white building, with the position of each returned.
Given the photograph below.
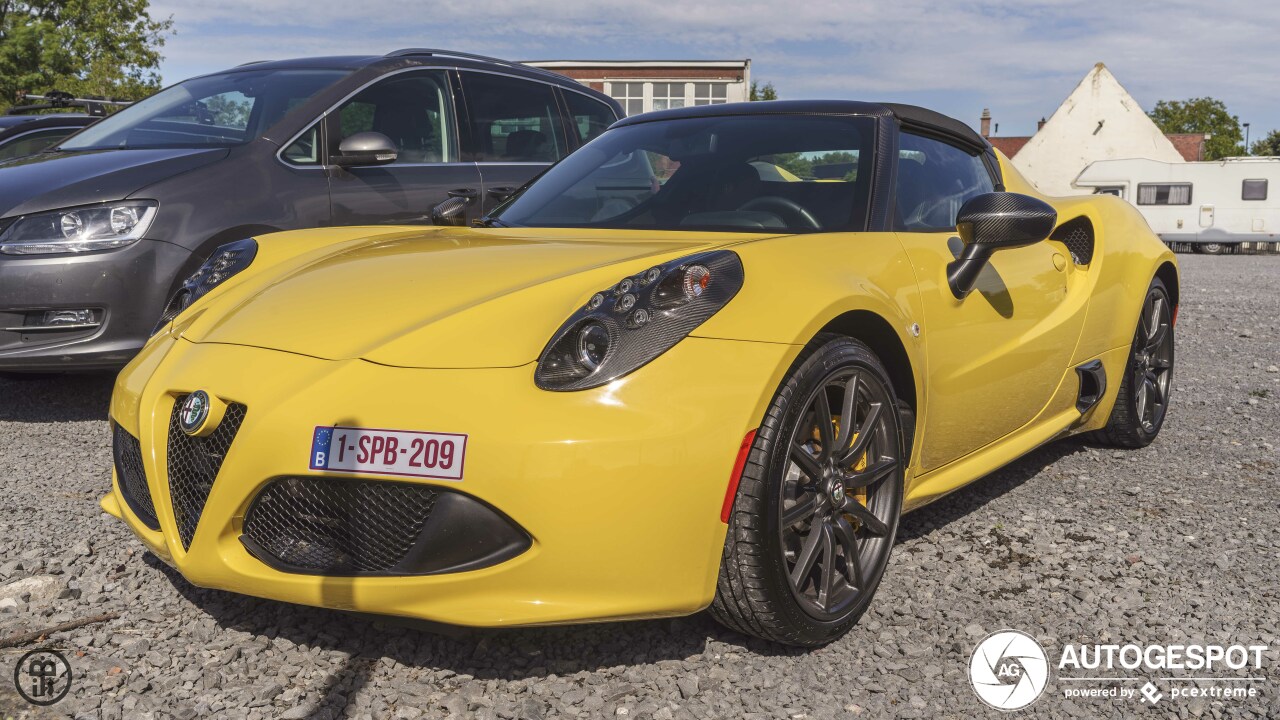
(644, 85)
(1099, 120)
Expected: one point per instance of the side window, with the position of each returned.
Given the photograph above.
(1164, 193)
(414, 110)
(934, 180)
(512, 120)
(1253, 190)
(33, 142)
(306, 149)
(588, 117)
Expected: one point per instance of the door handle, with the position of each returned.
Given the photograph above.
(464, 193)
(501, 193)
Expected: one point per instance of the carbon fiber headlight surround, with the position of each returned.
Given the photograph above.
(622, 328)
(226, 261)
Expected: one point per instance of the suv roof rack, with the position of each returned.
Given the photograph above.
(58, 100)
(409, 52)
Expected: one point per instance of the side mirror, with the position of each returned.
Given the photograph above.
(365, 149)
(454, 210)
(996, 221)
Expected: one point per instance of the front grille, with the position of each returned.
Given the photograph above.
(1077, 235)
(337, 526)
(127, 453)
(193, 465)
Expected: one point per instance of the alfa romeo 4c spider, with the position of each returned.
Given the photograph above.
(706, 361)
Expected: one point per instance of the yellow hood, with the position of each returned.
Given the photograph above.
(458, 298)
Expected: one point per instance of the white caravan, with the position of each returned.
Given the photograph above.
(1214, 205)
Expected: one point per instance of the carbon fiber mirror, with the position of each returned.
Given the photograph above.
(996, 221)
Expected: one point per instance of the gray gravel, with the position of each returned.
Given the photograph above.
(1176, 542)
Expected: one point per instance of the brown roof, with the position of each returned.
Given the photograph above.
(1189, 145)
(1008, 145)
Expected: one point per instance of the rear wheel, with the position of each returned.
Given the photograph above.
(1143, 400)
(1209, 248)
(818, 503)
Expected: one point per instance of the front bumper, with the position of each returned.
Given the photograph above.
(619, 487)
(127, 288)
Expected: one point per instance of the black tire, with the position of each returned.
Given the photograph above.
(1209, 248)
(1143, 400)
(847, 497)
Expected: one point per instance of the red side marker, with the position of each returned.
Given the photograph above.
(732, 491)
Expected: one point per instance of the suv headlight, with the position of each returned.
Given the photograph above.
(624, 327)
(77, 230)
(226, 261)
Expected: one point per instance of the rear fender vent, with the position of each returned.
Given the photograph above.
(1077, 235)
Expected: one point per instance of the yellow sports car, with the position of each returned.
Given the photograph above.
(708, 360)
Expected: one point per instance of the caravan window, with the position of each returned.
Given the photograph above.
(1164, 194)
(1253, 190)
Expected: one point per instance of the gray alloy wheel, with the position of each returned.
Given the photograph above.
(818, 504)
(1143, 401)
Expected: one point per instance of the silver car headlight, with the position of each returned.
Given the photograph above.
(77, 230)
(626, 326)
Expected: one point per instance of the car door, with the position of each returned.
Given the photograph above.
(995, 357)
(515, 130)
(416, 110)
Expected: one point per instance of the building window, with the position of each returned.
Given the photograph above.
(668, 95)
(1253, 190)
(710, 93)
(1164, 194)
(628, 94)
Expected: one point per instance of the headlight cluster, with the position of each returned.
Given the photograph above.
(77, 230)
(225, 261)
(622, 328)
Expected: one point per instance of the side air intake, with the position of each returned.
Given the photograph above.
(1077, 235)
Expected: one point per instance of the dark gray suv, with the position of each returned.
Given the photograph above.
(97, 233)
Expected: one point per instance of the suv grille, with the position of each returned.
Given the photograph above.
(337, 526)
(193, 465)
(127, 454)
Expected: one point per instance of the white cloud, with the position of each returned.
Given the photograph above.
(1018, 57)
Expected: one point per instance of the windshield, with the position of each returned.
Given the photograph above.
(217, 110)
(748, 173)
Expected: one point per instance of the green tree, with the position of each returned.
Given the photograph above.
(1202, 115)
(1269, 145)
(762, 92)
(106, 48)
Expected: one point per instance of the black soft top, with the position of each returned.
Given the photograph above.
(911, 116)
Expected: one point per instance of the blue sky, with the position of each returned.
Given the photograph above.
(1020, 58)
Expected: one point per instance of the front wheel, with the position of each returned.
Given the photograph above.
(817, 508)
(1143, 400)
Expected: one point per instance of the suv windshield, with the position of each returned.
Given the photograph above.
(216, 110)
(746, 173)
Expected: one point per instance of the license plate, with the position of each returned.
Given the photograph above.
(388, 452)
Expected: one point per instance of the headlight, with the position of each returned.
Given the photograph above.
(622, 328)
(225, 261)
(77, 230)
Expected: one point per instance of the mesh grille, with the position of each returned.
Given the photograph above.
(127, 453)
(338, 526)
(194, 463)
(1077, 235)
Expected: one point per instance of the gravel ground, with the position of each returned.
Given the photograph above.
(1073, 544)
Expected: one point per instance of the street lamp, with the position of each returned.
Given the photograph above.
(1246, 138)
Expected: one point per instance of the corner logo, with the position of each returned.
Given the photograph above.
(1151, 694)
(1008, 670)
(194, 411)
